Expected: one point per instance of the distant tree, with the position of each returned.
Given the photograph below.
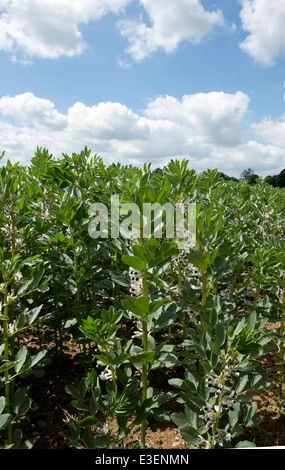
(249, 175)
(277, 181)
(157, 171)
(280, 179)
(227, 177)
(271, 180)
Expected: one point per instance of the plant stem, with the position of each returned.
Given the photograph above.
(145, 365)
(202, 329)
(180, 280)
(6, 358)
(218, 413)
(281, 347)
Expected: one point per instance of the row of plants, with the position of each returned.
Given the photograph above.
(157, 324)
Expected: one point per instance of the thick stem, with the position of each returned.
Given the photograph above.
(281, 346)
(180, 280)
(8, 382)
(256, 297)
(218, 413)
(202, 329)
(75, 263)
(12, 283)
(145, 365)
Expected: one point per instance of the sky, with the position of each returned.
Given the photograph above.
(145, 81)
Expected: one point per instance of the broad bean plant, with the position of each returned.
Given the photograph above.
(160, 318)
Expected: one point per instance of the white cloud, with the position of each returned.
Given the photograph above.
(212, 118)
(170, 23)
(264, 21)
(269, 131)
(206, 128)
(49, 28)
(106, 121)
(31, 110)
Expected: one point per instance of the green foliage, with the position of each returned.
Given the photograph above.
(146, 313)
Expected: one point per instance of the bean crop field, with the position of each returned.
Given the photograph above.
(162, 336)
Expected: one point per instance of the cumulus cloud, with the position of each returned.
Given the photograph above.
(170, 23)
(271, 131)
(29, 109)
(206, 128)
(49, 28)
(212, 118)
(264, 21)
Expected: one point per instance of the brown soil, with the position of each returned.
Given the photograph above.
(53, 409)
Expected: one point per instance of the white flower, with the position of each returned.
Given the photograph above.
(222, 435)
(198, 287)
(139, 332)
(204, 443)
(225, 293)
(106, 374)
(104, 430)
(192, 315)
(212, 379)
(101, 364)
(136, 282)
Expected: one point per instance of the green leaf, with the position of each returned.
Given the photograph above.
(249, 419)
(139, 306)
(80, 405)
(213, 318)
(141, 253)
(21, 402)
(234, 415)
(134, 262)
(119, 278)
(198, 400)
(163, 253)
(150, 194)
(178, 419)
(244, 444)
(7, 365)
(31, 316)
(89, 439)
(241, 384)
(156, 305)
(213, 345)
(220, 334)
(88, 421)
(83, 387)
(2, 404)
(5, 420)
(71, 390)
(190, 435)
(37, 358)
(142, 358)
(252, 319)
(21, 358)
(197, 259)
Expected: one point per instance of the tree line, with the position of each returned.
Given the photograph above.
(277, 181)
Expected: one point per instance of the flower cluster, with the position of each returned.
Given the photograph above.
(139, 332)
(220, 435)
(226, 402)
(11, 328)
(251, 290)
(188, 269)
(225, 293)
(193, 316)
(136, 282)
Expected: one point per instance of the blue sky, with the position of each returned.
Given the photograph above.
(145, 81)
